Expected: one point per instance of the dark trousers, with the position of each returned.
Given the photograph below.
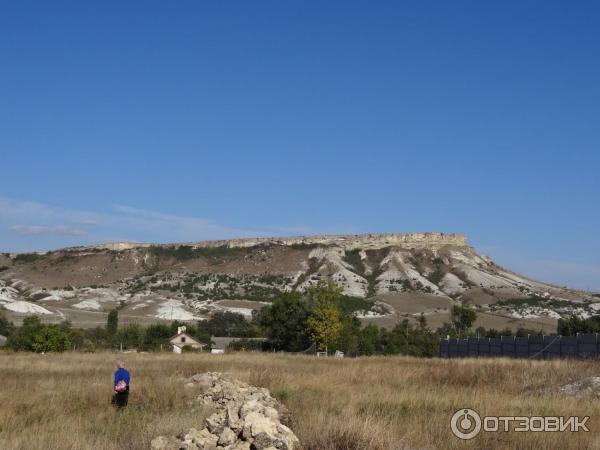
(120, 399)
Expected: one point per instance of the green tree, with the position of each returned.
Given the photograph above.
(572, 325)
(95, 338)
(112, 323)
(51, 338)
(349, 338)
(157, 335)
(24, 336)
(131, 336)
(422, 321)
(368, 340)
(6, 327)
(404, 338)
(462, 317)
(34, 336)
(229, 324)
(284, 322)
(324, 322)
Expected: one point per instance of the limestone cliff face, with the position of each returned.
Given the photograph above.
(374, 240)
(360, 241)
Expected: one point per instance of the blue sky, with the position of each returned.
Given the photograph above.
(177, 121)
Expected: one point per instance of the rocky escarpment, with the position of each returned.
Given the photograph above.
(349, 241)
(245, 418)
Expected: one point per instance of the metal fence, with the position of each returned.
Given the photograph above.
(531, 347)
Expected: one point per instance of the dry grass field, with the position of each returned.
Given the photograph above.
(62, 401)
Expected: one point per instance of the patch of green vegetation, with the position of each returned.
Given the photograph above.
(535, 300)
(372, 280)
(302, 246)
(406, 286)
(350, 305)
(222, 286)
(422, 288)
(466, 283)
(313, 267)
(353, 258)
(271, 279)
(436, 277)
(185, 252)
(26, 258)
(259, 294)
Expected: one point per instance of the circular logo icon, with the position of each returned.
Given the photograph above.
(465, 423)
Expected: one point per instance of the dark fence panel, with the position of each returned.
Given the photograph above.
(532, 347)
(552, 347)
(536, 347)
(473, 346)
(508, 346)
(444, 351)
(568, 346)
(522, 347)
(495, 347)
(588, 347)
(453, 348)
(484, 347)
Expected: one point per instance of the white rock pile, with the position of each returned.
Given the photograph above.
(245, 418)
(588, 387)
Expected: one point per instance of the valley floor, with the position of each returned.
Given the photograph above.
(63, 401)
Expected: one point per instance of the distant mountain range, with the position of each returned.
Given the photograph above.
(386, 277)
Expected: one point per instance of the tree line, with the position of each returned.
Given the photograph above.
(293, 322)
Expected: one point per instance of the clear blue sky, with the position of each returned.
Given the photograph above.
(186, 120)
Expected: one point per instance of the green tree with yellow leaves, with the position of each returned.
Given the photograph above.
(325, 320)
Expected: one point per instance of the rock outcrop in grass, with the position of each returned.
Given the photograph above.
(245, 418)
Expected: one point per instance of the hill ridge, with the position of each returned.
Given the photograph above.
(362, 240)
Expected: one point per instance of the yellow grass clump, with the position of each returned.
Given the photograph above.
(62, 401)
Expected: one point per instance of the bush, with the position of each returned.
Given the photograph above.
(34, 336)
(6, 327)
(24, 258)
(229, 324)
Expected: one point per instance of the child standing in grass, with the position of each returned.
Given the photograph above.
(121, 386)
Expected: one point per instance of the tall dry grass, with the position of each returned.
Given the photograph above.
(62, 401)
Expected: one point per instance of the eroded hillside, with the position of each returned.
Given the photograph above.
(386, 277)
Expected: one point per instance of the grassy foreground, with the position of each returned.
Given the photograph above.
(62, 401)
